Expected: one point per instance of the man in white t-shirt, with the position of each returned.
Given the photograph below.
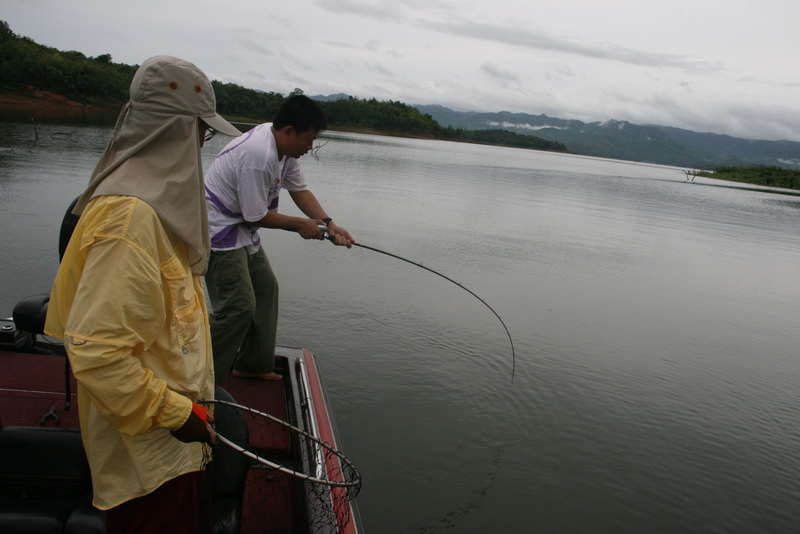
(242, 192)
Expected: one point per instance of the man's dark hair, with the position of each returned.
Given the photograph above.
(301, 113)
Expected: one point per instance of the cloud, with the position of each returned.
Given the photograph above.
(345, 45)
(254, 46)
(380, 69)
(501, 75)
(508, 34)
(381, 11)
(539, 40)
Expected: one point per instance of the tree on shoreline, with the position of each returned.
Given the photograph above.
(97, 81)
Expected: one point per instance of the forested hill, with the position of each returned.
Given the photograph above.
(26, 66)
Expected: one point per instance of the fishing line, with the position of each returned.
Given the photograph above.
(326, 235)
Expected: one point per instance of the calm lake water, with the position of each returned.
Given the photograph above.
(655, 323)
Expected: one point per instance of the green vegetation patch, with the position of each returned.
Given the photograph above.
(770, 176)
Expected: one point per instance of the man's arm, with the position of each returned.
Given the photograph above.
(307, 228)
(308, 204)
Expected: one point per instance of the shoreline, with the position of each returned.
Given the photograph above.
(44, 106)
(34, 105)
(33, 97)
(37, 104)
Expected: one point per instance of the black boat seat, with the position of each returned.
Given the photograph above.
(45, 485)
(68, 224)
(29, 314)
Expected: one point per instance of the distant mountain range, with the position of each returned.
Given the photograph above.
(623, 140)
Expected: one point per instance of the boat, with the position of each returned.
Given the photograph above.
(45, 485)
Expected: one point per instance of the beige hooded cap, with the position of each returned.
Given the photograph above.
(154, 153)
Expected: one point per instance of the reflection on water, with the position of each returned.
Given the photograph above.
(654, 321)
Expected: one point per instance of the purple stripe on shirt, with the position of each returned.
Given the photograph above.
(225, 238)
(255, 237)
(211, 197)
(240, 140)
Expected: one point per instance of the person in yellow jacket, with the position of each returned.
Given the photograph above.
(129, 304)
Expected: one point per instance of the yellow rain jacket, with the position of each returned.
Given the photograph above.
(141, 353)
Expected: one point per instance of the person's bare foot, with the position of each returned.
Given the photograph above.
(263, 376)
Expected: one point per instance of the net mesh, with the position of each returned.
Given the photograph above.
(307, 488)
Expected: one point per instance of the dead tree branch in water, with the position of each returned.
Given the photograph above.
(35, 132)
(693, 174)
(315, 150)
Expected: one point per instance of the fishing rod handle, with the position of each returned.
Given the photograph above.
(325, 234)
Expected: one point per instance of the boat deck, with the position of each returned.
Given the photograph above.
(33, 388)
(33, 391)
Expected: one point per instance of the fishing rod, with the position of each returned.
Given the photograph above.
(331, 238)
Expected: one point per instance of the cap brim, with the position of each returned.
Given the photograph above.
(221, 125)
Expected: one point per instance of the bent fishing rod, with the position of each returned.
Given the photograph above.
(331, 238)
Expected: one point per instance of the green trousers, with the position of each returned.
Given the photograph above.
(244, 311)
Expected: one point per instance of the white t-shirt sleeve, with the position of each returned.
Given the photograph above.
(293, 178)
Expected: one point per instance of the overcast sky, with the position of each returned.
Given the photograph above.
(704, 65)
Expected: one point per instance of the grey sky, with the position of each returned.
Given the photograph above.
(705, 65)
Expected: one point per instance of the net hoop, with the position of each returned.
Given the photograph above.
(354, 482)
